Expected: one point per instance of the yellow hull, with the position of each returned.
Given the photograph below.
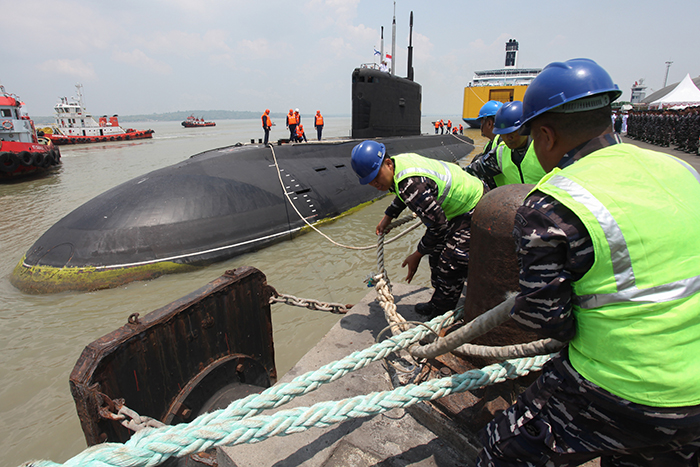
(477, 96)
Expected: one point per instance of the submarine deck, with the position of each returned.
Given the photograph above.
(395, 438)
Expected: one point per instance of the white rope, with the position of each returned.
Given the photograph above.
(284, 190)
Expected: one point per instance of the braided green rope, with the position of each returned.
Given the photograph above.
(153, 446)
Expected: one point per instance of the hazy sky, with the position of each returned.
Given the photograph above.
(153, 56)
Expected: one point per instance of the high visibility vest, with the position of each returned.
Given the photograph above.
(458, 192)
(300, 131)
(266, 121)
(530, 170)
(437, 124)
(638, 308)
(491, 144)
(291, 120)
(319, 120)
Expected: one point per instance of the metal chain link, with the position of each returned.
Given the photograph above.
(311, 304)
(127, 417)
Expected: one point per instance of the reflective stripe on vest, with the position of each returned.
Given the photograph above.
(458, 192)
(638, 308)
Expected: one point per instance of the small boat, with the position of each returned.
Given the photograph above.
(22, 150)
(194, 122)
(503, 84)
(75, 125)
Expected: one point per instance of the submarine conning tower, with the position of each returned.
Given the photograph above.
(384, 104)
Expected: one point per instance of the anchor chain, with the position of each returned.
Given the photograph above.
(310, 303)
(117, 410)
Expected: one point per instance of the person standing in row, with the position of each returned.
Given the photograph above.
(266, 124)
(292, 125)
(608, 244)
(443, 196)
(318, 123)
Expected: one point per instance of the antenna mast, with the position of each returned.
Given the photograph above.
(410, 49)
(393, 42)
(381, 48)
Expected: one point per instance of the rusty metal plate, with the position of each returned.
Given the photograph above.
(220, 334)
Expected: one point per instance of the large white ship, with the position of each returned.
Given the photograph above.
(503, 84)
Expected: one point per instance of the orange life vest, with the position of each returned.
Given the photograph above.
(265, 121)
(291, 119)
(300, 131)
(437, 124)
(319, 120)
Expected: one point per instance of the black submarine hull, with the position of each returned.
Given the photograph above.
(211, 207)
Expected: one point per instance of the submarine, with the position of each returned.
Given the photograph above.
(228, 201)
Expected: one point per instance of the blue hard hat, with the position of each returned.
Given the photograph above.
(508, 118)
(576, 85)
(367, 159)
(489, 109)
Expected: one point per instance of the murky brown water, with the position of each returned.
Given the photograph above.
(41, 337)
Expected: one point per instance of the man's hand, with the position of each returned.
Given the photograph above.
(412, 260)
(383, 224)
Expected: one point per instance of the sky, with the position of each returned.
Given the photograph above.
(155, 56)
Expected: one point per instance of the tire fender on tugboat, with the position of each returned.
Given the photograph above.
(26, 158)
(9, 162)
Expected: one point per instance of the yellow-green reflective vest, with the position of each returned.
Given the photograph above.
(458, 192)
(638, 308)
(491, 144)
(530, 170)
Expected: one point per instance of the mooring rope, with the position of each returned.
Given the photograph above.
(458, 341)
(286, 193)
(150, 447)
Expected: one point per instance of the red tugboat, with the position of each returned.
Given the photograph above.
(194, 122)
(22, 152)
(74, 125)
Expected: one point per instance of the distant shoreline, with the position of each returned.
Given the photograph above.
(209, 115)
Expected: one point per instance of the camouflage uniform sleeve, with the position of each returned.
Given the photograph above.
(395, 208)
(420, 194)
(554, 250)
(485, 167)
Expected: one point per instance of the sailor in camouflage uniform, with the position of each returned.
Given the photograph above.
(613, 271)
(443, 196)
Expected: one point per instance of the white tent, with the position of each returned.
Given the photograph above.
(685, 93)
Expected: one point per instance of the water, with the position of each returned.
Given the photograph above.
(42, 336)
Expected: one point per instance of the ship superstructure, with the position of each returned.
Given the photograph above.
(503, 84)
